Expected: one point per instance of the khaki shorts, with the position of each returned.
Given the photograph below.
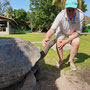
(62, 36)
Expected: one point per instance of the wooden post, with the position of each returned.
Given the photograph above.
(8, 27)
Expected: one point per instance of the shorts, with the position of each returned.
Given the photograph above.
(62, 36)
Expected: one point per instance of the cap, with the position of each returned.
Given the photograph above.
(71, 4)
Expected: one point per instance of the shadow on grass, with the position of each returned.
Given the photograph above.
(6, 37)
(81, 57)
(49, 74)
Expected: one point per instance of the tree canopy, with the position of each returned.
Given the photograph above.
(9, 12)
(61, 4)
(20, 17)
(42, 13)
(41, 16)
(4, 4)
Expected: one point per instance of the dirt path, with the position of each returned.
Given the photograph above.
(70, 80)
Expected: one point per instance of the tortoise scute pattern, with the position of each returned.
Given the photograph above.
(17, 57)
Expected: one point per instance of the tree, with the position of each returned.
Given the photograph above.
(28, 21)
(83, 6)
(80, 4)
(61, 4)
(9, 12)
(28, 16)
(4, 4)
(42, 14)
(20, 18)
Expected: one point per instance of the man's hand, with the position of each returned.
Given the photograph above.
(44, 42)
(47, 38)
(62, 43)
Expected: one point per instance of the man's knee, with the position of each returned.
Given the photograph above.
(58, 42)
(75, 44)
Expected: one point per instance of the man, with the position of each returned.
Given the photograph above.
(68, 23)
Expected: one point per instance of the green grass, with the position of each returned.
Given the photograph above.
(51, 59)
(29, 36)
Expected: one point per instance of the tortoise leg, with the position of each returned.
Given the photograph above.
(37, 74)
(29, 82)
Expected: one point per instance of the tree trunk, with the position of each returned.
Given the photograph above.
(80, 4)
(63, 4)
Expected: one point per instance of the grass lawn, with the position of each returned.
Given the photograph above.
(83, 55)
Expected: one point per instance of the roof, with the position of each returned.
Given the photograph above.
(8, 19)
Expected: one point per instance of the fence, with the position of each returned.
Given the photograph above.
(23, 31)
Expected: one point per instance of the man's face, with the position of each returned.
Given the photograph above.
(70, 12)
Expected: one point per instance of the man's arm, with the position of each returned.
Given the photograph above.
(64, 42)
(53, 29)
(73, 36)
(48, 36)
(50, 33)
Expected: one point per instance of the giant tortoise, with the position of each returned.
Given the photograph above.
(18, 63)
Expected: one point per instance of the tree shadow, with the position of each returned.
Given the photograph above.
(81, 57)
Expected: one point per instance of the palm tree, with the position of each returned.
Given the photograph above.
(9, 12)
(61, 3)
(4, 4)
(80, 4)
(57, 3)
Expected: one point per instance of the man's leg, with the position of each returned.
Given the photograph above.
(59, 36)
(74, 50)
(60, 53)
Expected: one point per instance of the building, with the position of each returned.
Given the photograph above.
(7, 25)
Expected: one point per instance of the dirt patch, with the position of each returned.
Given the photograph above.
(47, 80)
(71, 80)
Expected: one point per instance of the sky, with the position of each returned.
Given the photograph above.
(18, 4)
(24, 4)
(87, 13)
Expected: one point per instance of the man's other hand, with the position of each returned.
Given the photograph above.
(62, 43)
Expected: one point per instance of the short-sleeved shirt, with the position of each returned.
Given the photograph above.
(62, 24)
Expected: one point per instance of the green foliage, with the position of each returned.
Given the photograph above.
(59, 4)
(4, 4)
(20, 15)
(9, 12)
(42, 13)
(85, 27)
(20, 18)
(84, 6)
(28, 16)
